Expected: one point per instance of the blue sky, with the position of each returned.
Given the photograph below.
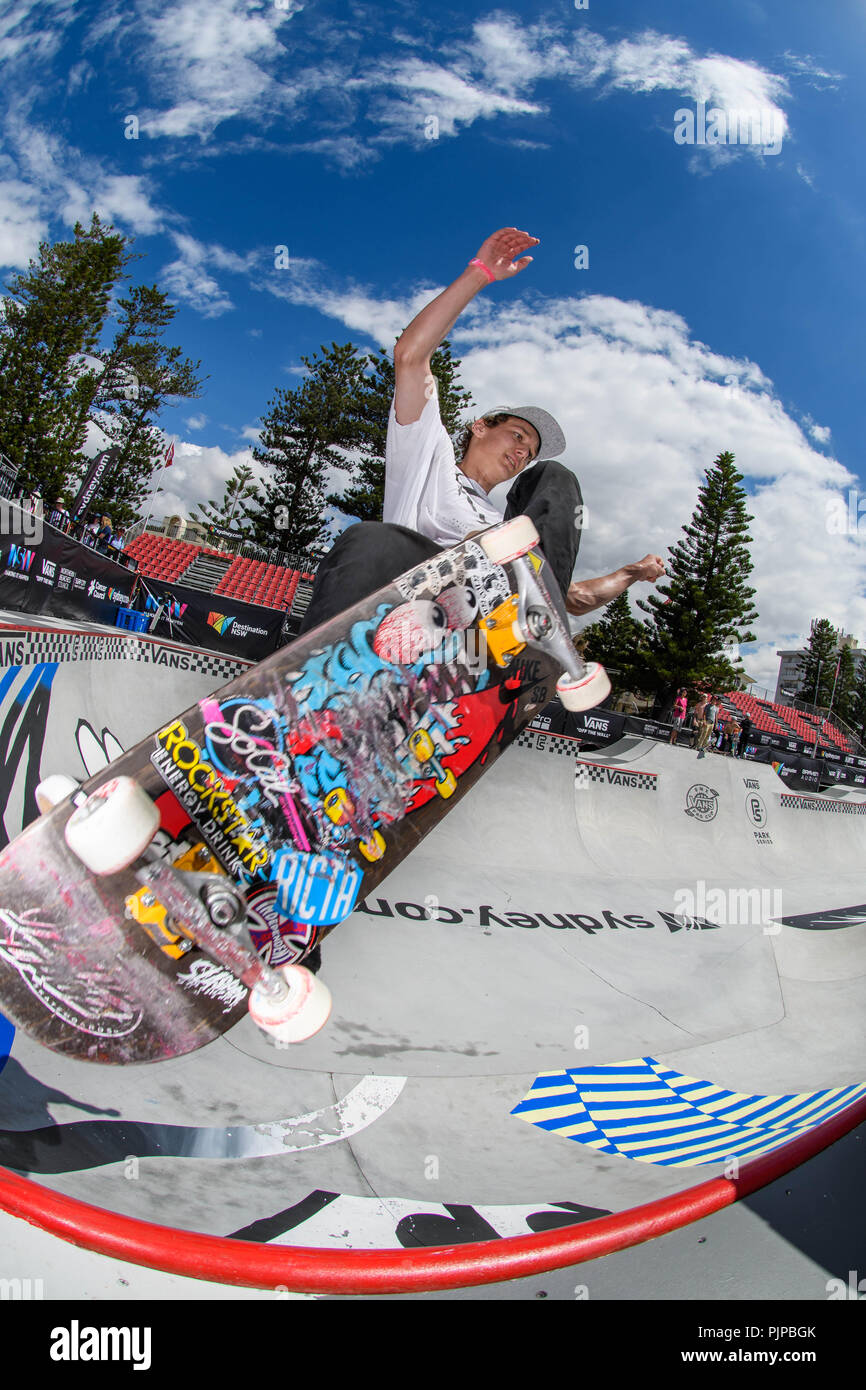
(722, 306)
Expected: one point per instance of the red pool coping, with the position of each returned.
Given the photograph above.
(303, 1269)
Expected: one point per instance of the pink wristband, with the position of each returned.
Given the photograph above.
(481, 266)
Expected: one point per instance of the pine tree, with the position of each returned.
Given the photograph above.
(302, 436)
(236, 511)
(846, 681)
(704, 610)
(857, 709)
(365, 497)
(818, 663)
(140, 375)
(53, 318)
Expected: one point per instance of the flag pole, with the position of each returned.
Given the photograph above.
(165, 460)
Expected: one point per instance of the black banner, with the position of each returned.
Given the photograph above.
(212, 620)
(44, 571)
(596, 725)
(91, 484)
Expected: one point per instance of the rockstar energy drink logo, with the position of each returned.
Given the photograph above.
(220, 621)
(200, 789)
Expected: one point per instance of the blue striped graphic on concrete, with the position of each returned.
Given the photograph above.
(646, 1111)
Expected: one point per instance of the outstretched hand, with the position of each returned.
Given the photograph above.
(499, 252)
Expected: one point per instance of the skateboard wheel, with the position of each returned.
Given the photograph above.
(296, 1015)
(53, 790)
(510, 540)
(113, 827)
(587, 692)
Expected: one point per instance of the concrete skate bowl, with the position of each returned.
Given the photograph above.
(614, 992)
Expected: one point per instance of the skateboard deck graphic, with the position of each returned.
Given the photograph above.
(305, 781)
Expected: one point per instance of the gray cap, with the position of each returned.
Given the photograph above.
(547, 429)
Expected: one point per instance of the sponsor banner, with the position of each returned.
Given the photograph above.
(784, 743)
(215, 621)
(62, 578)
(552, 719)
(830, 755)
(93, 481)
(848, 776)
(595, 726)
(647, 728)
(758, 754)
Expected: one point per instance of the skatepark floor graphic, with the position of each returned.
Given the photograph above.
(607, 976)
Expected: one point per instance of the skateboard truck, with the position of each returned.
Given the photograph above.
(534, 618)
(113, 829)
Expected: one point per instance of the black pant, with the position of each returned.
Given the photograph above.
(368, 556)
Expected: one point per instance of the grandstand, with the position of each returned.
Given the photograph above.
(233, 576)
(786, 722)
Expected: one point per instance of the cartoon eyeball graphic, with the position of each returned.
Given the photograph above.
(460, 606)
(409, 630)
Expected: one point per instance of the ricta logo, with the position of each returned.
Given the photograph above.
(20, 559)
(220, 622)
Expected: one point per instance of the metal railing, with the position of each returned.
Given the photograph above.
(8, 477)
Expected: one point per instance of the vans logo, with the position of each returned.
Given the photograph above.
(702, 802)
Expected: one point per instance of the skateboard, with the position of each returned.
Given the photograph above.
(145, 912)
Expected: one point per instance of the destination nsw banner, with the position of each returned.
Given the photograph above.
(215, 621)
(56, 575)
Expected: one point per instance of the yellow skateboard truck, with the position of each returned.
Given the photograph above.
(502, 632)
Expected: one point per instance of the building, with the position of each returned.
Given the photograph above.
(788, 681)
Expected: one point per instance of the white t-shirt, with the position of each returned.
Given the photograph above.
(424, 488)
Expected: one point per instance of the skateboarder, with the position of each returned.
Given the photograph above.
(433, 500)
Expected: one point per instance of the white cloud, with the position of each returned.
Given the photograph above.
(196, 423)
(219, 55)
(228, 59)
(187, 279)
(198, 474)
(51, 180)
(22, 226)
(646, 408)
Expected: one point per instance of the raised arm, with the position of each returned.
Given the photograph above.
(502, 254)
(584, 595)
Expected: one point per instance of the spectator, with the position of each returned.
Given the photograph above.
(681, 705)
(102, 540)
(58, 516)
(705, 732)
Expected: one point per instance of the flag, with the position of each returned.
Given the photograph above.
(169, 455)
